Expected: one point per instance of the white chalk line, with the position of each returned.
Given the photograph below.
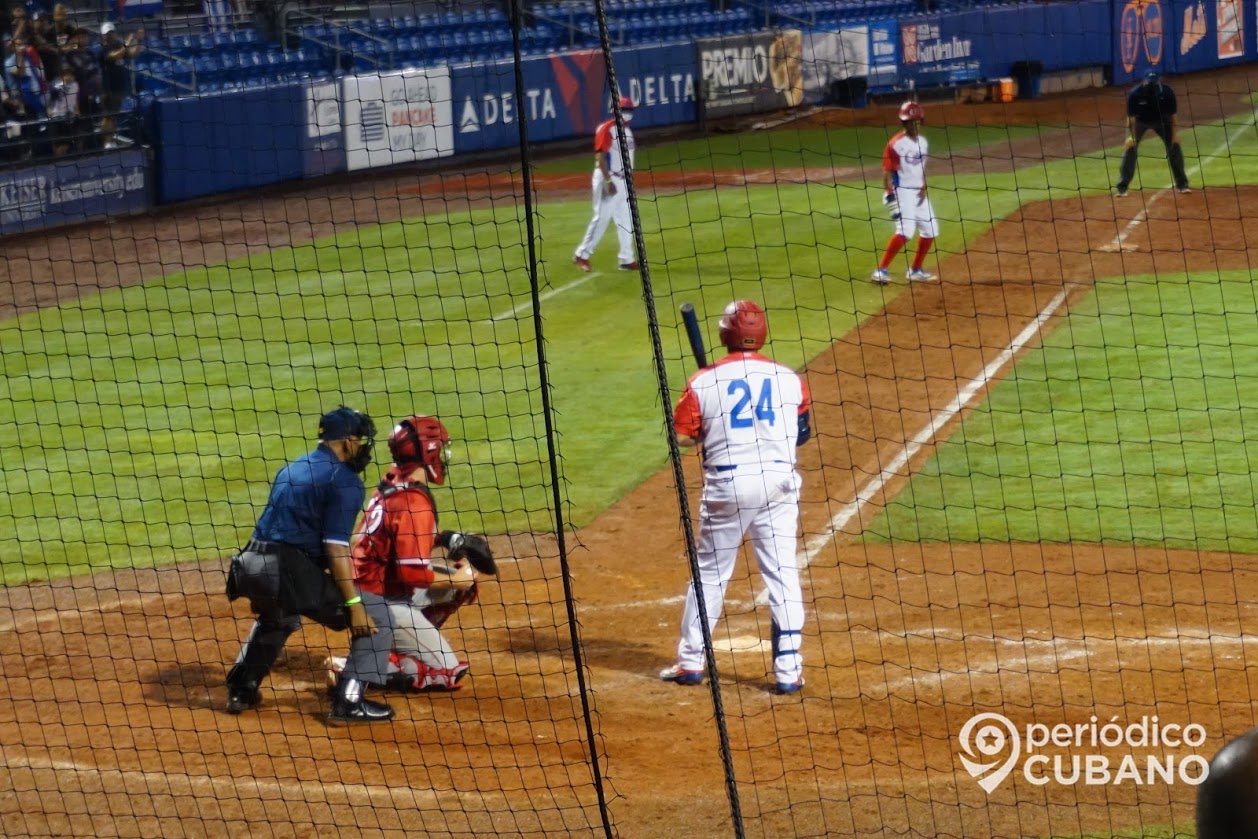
(818, 542)
(545, 295)
(1117, 242)
(182, 784)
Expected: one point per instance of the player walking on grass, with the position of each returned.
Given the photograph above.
(393, 558)
(904, 193)
(749, 414)
(611, 197)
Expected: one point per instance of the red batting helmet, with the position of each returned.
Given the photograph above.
(422, 441)
(743, 326)
(626, 104)
(912, 110)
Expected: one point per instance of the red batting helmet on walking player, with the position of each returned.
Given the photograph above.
(421, 441)
(743, 326)
(626, 104)
(912, 110)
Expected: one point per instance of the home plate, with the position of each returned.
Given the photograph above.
(742, 644)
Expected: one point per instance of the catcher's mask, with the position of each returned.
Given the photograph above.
(743, 326)
(422, 441)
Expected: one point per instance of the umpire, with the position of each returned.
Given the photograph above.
(298, 564)
(1151, 106)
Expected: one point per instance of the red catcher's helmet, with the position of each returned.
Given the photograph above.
(421, 441)
(626, 104)
(912, 110)
(743, 326)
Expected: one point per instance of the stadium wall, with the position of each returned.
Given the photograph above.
(229, 141)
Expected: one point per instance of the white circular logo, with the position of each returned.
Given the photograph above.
(983, 739)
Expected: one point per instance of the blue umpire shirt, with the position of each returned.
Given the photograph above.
(314, 499)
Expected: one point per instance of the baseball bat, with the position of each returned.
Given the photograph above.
(691, 320)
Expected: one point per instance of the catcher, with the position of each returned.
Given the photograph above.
(393, 557)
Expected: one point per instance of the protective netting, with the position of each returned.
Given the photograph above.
(1026, 501)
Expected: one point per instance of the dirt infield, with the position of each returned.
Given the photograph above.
(112, 721)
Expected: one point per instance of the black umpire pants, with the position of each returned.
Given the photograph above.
(368, 659)
(1174, 154)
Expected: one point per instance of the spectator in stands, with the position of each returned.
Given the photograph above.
(87, 73)
(56, 35)
(19, 22)
(26, 77)
(63, 110)
(115, 58)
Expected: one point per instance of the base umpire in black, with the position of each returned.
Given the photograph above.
(1151, 106)
(298, 564)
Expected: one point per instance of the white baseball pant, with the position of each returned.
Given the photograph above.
(414, 634)
(609, 208)
(916, 214)
(763, 506)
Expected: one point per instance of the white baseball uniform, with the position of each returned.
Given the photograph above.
(609, 208)
(745, 410)
(905, 159)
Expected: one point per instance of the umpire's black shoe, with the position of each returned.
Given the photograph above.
(348, 705)
(364, 710)
(240, 700)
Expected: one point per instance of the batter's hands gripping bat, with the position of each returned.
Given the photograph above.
(691, 320)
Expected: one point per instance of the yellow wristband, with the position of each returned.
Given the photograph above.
(355, 600)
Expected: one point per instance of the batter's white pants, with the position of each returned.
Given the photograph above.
(609, 208)
(414, 634)
(764, 506)
(915, 217)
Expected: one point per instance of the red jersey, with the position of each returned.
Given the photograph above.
(393, 546)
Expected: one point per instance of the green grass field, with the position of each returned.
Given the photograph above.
(149, 421)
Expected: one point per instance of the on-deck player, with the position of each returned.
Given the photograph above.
(749, 414)
(904, 185)
(611, 197)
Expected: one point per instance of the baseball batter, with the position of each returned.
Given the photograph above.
(611, 197)
(749, 414)
(904, 193)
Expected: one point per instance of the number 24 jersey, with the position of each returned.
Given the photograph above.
(745, 410)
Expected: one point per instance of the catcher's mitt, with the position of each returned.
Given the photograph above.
(474, 549)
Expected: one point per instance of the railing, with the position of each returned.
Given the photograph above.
(191, 85)
(385, 47)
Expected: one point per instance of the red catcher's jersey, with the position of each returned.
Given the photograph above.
(393, 546)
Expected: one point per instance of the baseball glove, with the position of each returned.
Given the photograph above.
(609, 188)
(474, 549)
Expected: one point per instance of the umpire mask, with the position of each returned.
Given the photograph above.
(362, 458)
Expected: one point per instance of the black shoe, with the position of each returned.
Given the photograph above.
(240, 700)
(364, 710)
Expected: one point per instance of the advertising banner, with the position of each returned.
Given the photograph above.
(564, 96)
(747, 74)
(568, 95)
(114, 183)
(1205, 34)
(1140, 34)
(323, 144)
(399, 117)
(868, 51)
(942, 50)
